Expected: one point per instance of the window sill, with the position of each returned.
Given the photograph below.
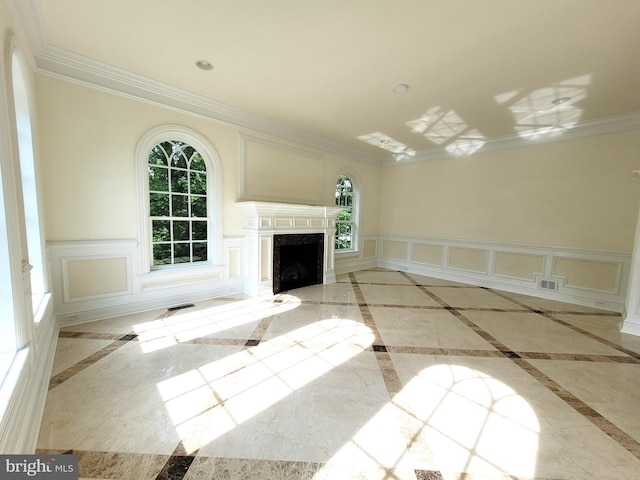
(172, 276)
(339, 253)
(42, 308)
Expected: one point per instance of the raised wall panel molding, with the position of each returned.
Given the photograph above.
(301, 166)
(140, 290)
(611, 298)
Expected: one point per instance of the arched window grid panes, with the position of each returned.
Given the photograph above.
(345, 197)
(178, 204)
(22, 103)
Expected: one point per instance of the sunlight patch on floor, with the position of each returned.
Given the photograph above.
(207, 402)
(474, 422)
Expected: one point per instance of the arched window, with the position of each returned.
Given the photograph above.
(181, 190)
(22, 102)
(346, 198)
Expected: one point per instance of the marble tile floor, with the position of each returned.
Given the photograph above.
(383, 375)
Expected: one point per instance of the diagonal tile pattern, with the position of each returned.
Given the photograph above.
(382, 375)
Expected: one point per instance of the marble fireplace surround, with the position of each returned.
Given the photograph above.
(266, 219)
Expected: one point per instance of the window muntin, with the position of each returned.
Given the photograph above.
(345, 222)
(178, 204)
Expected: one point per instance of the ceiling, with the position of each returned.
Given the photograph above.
(479, 72)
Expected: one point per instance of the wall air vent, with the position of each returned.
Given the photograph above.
(547, 284)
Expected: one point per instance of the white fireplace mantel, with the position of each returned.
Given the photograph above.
(264, 220)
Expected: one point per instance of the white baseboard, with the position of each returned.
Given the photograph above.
(483, 270)
(141, 305)
(22, 418)
(631, 324)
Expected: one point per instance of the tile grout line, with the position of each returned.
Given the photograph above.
(410, 426)
(178, 464)
(392, 383)
(86, 362)
(605, 425)
(550, 316)
(73, 370)
(256, 336)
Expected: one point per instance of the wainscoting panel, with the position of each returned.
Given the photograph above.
(597, 279)
(96, 277)
(518, 266)
(370, 248)
(92, 280)
(428, 254)
(598, 276)
(469, 259)
(396, 249)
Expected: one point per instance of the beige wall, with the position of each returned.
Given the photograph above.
(575, 193)
(89, 137)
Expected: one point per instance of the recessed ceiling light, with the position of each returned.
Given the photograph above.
(400, 88)
(204, 65)
(560, 100)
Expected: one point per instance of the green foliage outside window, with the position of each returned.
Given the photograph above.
(177, 204)
(344, 220)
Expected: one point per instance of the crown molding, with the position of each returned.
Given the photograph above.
(58, 62)
(70, 66)
(602, 126)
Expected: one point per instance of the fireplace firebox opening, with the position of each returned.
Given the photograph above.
(298, 261)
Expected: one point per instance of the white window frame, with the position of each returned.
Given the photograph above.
(355, 211)
(25, 133)
(214, 195)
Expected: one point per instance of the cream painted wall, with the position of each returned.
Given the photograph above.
(88, 139)
(576, 193)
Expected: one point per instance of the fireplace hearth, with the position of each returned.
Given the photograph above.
(297, 261)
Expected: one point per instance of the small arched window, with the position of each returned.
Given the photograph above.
(181, 190)
(345, 238)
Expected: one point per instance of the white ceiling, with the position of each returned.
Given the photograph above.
(479, 71)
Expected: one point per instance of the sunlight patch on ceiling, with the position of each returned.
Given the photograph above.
(549, 111)
(447, 127)
(466, 144)
(400, 150)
